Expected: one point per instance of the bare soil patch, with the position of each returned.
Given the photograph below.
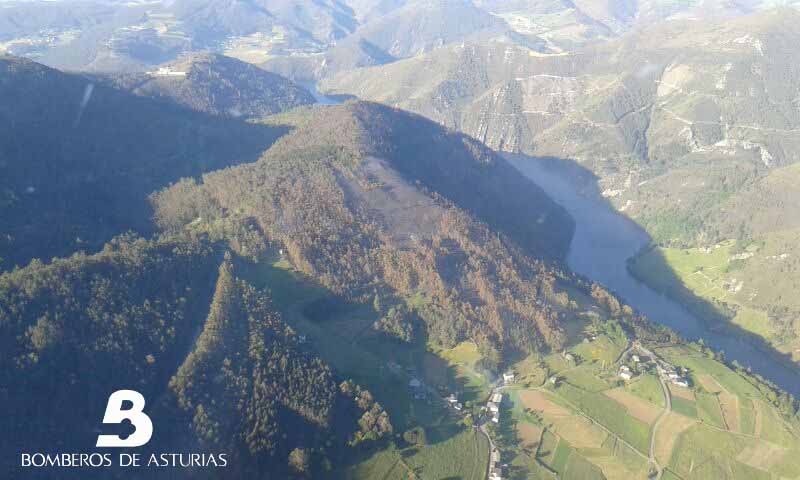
(529, 434)
(729, 404)
(762, 455)
(667, 435)
(637, 407)
(537, 400)
(682, 392)
(580, 432)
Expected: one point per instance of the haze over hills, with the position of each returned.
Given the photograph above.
(674, 150)
(315, 39)
(336, 291)
(216, 85)
(79, 159)
(360, 199)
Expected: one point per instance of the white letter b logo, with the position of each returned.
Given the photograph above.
(115, 414)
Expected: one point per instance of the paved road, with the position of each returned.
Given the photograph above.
(667, 409)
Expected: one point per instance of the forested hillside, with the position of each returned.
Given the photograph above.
(77, 160)
(692, 130)
(274, 284)
(131, 316)
(376, 203)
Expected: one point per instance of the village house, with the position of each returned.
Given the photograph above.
(166, 72)
(625, 372)
(497, 398)
(509, 377)
(458, 406)
(493, 407)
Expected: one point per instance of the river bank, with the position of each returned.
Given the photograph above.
(603, 243)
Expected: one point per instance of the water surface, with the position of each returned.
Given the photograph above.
(603, 242)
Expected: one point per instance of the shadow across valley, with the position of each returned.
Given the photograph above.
(600, 250)
(104, 152)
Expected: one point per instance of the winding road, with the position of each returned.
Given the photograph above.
(667, 409)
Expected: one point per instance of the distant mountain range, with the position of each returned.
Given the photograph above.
(693, 129)
(314, 39)
(216, 85)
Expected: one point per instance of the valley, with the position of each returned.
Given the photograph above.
(404, 239)
(604, 243)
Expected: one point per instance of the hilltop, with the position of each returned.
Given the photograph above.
(696, 162)
(376, 203)
(79, 158)
(217, 85)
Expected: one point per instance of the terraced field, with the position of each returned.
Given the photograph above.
(587, 426)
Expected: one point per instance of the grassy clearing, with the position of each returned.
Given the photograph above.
(668, 433)
(773, 429)
(719, 277)
(464, 455)
(578, 468)
(705, 453)
(617, 461)
(609, 414)
(462, 361)
(603, 350)
(540, 402)
(635, 406)
(647, 387)
(382, 465)
(747, 416)
(547, 449)
(530, 371)
(561, 456)
(579, 431)
(697, 364)
(586, 377)
(709, 411)
(685, 407)
(347, 341)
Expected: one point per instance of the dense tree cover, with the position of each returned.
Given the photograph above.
(77, 160)
(249, 387)
(354, 210)
(131, 316)
(73, 331)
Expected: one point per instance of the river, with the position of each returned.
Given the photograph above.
(603, 242)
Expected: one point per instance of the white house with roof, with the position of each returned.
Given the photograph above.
(509, 377)
(166, 72)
